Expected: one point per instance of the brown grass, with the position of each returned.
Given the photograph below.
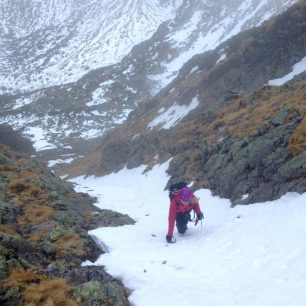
(38, 290)
(49, 292)
(5, 168)
(19, 277)
(297, 140)
(22, 186)
(69, 243)
(18, 185)
(244, 116)
(82, 165)
(7, 229)
(36, 214)
(32, 200)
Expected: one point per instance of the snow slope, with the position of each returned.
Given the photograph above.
(248, 255)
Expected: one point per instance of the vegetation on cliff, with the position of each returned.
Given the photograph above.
(44, 239)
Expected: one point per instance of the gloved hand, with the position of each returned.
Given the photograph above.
(170, 239)
(200, 216)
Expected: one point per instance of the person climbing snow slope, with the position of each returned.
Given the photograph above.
(182, 203)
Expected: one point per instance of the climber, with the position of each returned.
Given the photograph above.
(182, 203)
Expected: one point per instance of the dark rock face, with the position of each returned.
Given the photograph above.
(14, 140)
(43, 229)
(259, 168)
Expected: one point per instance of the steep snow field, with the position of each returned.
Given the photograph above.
(53, 42)
(248, 255)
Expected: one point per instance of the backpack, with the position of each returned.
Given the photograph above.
(174, 188)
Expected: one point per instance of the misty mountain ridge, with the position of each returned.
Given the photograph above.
(41, 38)
(69, 118)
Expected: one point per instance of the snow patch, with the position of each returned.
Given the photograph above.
(20, 102)
(97, 96)
(52, 163)
(245, 196)
(194, 69)
(92, 133)
(221, 58)
(38, 136)
(171, 117)
(122, 117)
(296, 69)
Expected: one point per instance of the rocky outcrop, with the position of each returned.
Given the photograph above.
(44, 238)
(257, 169)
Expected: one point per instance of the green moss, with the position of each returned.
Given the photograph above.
(91, 293)
(3, 266)
(54, 195)
(96, 293)
(68, 219)
(14, 263)
(57, 233)
(12, 292)
(4, 160)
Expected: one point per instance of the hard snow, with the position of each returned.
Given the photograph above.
(248, 255)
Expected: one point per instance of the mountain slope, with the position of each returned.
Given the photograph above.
(71, 117)
(219, 121)
(41, 38)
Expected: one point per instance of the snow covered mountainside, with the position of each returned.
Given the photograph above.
(52, 42)
(220, 118)
(64, 120)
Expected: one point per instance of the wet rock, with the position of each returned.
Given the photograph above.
(115, 154)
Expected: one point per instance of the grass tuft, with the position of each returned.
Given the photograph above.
(38, 290)
(36, 214)
(69, 243)
(8, 229)
(297, 140)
